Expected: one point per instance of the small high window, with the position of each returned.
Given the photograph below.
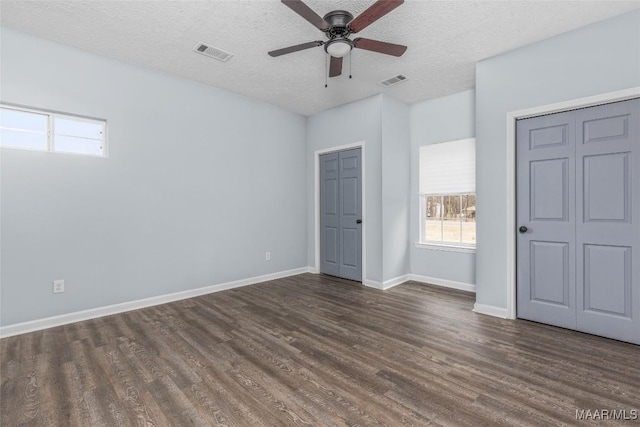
(45, 131)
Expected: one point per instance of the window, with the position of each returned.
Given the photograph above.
(44, 131)
(447, 193)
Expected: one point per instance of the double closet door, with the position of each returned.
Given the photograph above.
(341, 214)
(578, 214)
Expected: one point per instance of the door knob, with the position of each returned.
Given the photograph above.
(523, 229)
(358, 221)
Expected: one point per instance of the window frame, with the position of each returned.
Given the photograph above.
(439, 190)
(50, 132)
(441, 244)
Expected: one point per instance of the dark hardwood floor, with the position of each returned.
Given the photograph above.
(314, 350)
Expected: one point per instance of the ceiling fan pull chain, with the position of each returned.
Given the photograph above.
(326, 70)
(350, 62)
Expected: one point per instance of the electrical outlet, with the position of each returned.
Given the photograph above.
(267, 256)
(58, 286)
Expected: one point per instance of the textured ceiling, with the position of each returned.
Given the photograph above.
(445, 39)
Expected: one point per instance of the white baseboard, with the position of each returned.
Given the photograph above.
(490, 310)
(387, 284)
(443, 282)
(64, 319)
(373, 284)
(395, 281)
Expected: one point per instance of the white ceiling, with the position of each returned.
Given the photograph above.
(445, 39)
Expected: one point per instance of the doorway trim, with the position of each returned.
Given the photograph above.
(316, 201)
(589, 101)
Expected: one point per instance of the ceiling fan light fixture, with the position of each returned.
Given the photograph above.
(338, 48)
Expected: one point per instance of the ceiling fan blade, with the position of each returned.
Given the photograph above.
(380, 47)
(335, 67)
(307, 13)
(295, 48)
(373, 13)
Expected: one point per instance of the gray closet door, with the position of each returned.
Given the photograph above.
(329, 215)
(579, 199)
(341, 214)
(546, 207)
(608, 226)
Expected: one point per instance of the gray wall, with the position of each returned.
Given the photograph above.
(199, 184)
(396, 175)
(193, 195)
(439, 120)
(596, 59)
(383, 124)
(347, 124)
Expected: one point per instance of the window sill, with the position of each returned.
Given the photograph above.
(446, 247)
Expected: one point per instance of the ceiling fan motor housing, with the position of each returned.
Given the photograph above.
(338, 21)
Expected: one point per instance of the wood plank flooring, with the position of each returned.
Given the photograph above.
(314, 350)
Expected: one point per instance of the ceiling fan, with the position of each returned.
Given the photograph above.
(338, 25)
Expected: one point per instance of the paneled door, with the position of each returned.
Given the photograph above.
(579, 220)
(608, 226)
(341, 214)
(546, 217)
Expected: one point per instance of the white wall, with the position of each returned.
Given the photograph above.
(396, 178)
(599, 58)
(199, 184)
(383, 124)
(444, 119)
(355, 122)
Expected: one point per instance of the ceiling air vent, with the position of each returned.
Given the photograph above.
(213, 52)
(393, 80)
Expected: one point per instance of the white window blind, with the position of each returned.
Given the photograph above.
(448, 167)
